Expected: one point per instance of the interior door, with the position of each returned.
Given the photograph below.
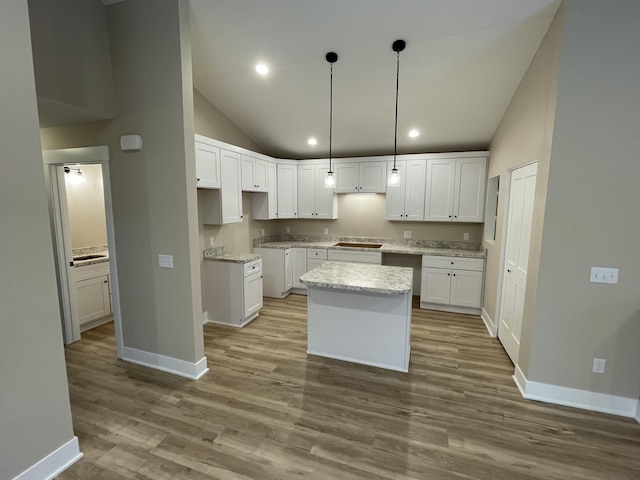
(514, 277)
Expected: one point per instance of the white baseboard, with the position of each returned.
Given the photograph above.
(205, 317)
(573, 397)
(53, 464)
(156, 361)
(489, 323)
(637, 417)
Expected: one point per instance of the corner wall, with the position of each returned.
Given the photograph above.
(35, 416)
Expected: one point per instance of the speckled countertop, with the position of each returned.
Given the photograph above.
(217, 254)
(447, 249)
(361, 277)
(95, 250)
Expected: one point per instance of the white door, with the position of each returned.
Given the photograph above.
(306, 191)
(514, 277)
(252, 294)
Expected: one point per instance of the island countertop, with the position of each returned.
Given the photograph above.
(362, 277)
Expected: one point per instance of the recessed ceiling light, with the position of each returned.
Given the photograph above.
(312, 141)
(414, 133)
(262, 69)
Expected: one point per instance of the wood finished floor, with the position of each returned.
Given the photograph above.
(268, 411)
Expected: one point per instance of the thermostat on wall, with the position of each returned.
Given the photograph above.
(131, 143)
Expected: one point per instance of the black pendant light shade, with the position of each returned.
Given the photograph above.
(329, 181)
(394, 178)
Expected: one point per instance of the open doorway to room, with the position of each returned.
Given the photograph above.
(83, 234)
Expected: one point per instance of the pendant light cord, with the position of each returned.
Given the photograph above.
(395, 136)
(330, 115)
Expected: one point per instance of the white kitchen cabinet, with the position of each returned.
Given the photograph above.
(405, 202)
(254, 174)
(264, 205)
(314, 199)
(452, 283)
(277, 271)
(233, 291)
(287, 191)
(207, 165)
(455, 189)
(92, 293)
(298, 266)
(360, 177)
(224, 205)
(357, 256)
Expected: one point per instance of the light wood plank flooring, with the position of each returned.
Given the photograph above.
(266, 410)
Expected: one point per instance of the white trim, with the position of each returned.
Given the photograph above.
(163, 363)
(492, 328)
(573, 397)
(76, 155)
(53, 464)
(357, 360)
(205, 317)
(637, 417)
(450, 308)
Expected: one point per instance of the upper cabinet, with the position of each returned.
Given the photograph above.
(360, 177)
(405, 202)
(207, 165)
(264, 206)
(287, 190)
(455, 189)
(224, 205)
(314, 199)
(254, 174)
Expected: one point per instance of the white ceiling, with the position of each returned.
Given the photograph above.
(463, 62)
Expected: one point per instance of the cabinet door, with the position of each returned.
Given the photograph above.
(439, 190)
(264, 205)
(413, 181)
(326, 204)
(93, 298)
(298, 266)
(231, 190)
(468, 204)
(313, 263)
(207, 166)
(287, 191)
(248, 166)
(466, 288)
(373, 177)
(347, 176)
(288, 270)
(435, 285)
(260, 175)
(396, 195)
(252, 294)
(306, 191)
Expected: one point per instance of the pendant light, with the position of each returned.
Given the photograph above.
(394, 177)
(329, 180)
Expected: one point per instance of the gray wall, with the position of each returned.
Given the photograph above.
(153, 191)
(35, 418)
(85, 202)
(592, 205)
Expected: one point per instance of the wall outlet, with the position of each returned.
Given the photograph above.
(603, 275)
(407, 234)
(165, 261)
(212, 241)
(262, 232)
(598, 365)
(325, 230)
(465, 236)
(287, 230)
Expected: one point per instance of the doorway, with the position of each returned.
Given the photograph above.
(516, 258)
(86, 290)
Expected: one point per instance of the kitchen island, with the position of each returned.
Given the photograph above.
(360, 313)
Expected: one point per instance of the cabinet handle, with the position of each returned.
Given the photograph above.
(197, 179)
(508, 271)
(454, 274)
(451, 263)
(106, 281)
(449, 216)
(448, 274)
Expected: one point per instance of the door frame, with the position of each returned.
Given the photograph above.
(503, 239)
(53, 159)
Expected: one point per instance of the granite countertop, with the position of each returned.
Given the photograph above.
(217, 254)
(385, 248)
(361, 277)
(95, 250)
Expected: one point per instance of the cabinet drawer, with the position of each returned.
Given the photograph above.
(318, 253)
(460, 263)
(252, 267)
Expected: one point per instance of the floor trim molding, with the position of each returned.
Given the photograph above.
(573, 397)
(489, 323)
(192, 371)
(53, 464)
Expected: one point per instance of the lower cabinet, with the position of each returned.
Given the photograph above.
(277, 267)
(298, 266)
(233, 292)
(452, 283)
(93, 293)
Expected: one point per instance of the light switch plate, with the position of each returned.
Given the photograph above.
(165, 261)
(407, 234)
(326, 230)
(604, 275)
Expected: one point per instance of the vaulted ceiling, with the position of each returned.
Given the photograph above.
(462, 64)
